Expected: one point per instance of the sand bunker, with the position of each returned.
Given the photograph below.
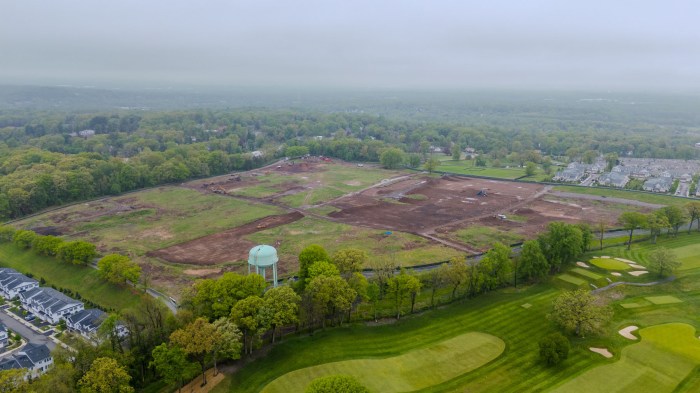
(616, 274)
(604, 256)
(602, 351)
(625, 260)
(638, 273)
(635, 266)
(627, 332)
(583, 264)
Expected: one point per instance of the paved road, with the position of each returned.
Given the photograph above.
(27, 333)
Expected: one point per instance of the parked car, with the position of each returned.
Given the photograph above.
(29, 317)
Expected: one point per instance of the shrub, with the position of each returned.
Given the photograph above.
(554, 348)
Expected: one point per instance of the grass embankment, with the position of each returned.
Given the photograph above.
(628, 194)
(403, 248)
(81, 279)
(413, 370)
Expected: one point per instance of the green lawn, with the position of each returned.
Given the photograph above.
(404, 248)
(689, 256)
(81, 279)
(667, 299)
(664, 357)
(483, 237)
(577, 282)
(685, 245)
(634, 195)
(413, 370)
(596, 278)
(609, 264)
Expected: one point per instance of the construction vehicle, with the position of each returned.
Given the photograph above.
(482, 193)
(217, 190)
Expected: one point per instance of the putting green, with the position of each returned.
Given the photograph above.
(414, 370)
(609, 264)
(689, 256)
(667, 299)
(666, 355)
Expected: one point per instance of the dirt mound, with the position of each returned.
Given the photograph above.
(226, 246)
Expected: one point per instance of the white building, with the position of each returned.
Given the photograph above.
(12, 283)
(87, 322)
(50, 305)
(4, 336)
(34, 357)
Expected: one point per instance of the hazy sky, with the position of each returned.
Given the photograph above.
(596, 44)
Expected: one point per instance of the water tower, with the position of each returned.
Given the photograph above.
(263, 257)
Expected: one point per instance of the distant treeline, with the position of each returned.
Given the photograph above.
(45, 160)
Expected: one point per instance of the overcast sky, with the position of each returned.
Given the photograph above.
(550, 44)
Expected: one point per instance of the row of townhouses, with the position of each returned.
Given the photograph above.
(52, 306)
(36, 358)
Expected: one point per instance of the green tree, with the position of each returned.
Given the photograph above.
(431, 164)
(308, 256)
(171, 364)
(117, 269)
(693, 209)
(47, 245)
(329, 297)
(580, 312)
(296, 151)
(561, 243)
(530, 168)
(24, 238)
(456, 152)
(105, 376)
(601, 226)
(663, 261)
(414, 160)
(282, 304)
(336, 384)
(454, 273)
(656, 222)
(436, 279)
(349, 260)
(533, 265)
(247, 315)
(554, 349)
(214, 298)
(373, 296)
(392, 158)
(77, 252)
(496, 266)
(322, 268)
(197, 340)
(7, 233)
(12, 381)
(631, 221)
(401, 287)
(611, 159)
(480, 161)
(676, 217)
(227, 341)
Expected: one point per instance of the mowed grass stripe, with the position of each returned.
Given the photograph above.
(410, 371)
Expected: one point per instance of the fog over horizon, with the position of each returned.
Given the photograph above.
(540, 44)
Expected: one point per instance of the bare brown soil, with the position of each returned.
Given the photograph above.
(226, 246)
(449, 199)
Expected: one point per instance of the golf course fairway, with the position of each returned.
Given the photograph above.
(417, 369)
(666, 355)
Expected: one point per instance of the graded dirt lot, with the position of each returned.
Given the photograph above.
(421, 204)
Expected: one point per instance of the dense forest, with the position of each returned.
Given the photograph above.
(47, 159)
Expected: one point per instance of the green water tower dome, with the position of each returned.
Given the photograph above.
(263, 257)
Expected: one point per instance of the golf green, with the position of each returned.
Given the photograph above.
(414, 370)
(609, 264)
(666, 355)
(667, 299)
(689, 256)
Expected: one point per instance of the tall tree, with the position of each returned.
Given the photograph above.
(246, 314)
(227, 341)
(330, 297)
(282, 304)
(105, 376)
(580, 312)
(431, 164)
(454, 273)
(496, 266)
(12, 381)
(676, 217)
(601, 226)
(663, 261)
(631, 221)
(401, 287)
(307, 257)
(693, 209)
(561, 243)
(171, 364)
(349, 260)
(533, 265)
(198, 340)
(656, 222)
(392, 158)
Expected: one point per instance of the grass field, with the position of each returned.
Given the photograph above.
(572, 282)
(635, 195)
(483, 237)
(81, 279)
(413, 370)
(595, 278)
(158, 218)
(689, 256)
(609, 264)
(666, 355)
(666, 299)
(684, 245)
(404, 248)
